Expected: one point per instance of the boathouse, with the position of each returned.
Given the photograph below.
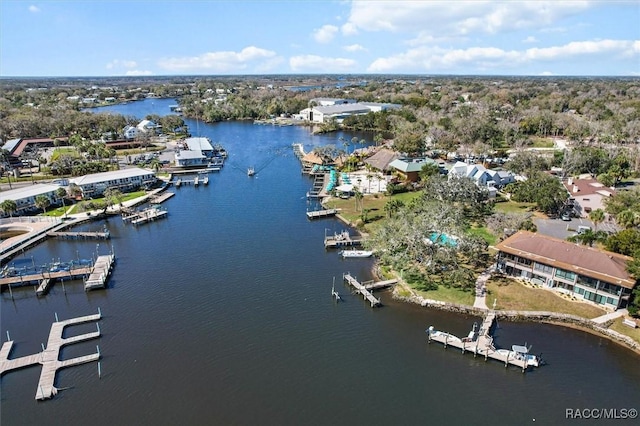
(585, 273)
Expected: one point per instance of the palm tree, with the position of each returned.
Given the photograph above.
(627, 219)
(392, 206)
(597, 217)
(62, 193)
(43, 202)
(9, 206)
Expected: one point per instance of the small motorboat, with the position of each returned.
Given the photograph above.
(356, 253)
(251, 171)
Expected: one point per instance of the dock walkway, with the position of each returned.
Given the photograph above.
(103, 235)
(100, 272)
(480, 342)
(49, 357)
(321, 213)
(362, 289)
(162, 198)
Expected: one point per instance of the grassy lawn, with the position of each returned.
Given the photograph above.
(373, 203)
(450, 295)
(483, 233)
(542, 142)
(513, 295)
(618, 326)
(514, 207)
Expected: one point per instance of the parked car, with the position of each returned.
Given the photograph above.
(566, 217)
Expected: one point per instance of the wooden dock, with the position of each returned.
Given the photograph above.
(49, 357)
(321, 213)
(144, 216)
(104, 235)
(360, 288)
(100, 272)
(480, 342)
(159, 199)
(36, 279)
(343, 239)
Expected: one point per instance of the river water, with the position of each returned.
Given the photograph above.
(222, 314)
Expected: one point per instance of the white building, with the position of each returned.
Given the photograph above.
(481, 175)
(125, 180)
(340, 111)
(130, 132)
(188, 158)
(25, 197)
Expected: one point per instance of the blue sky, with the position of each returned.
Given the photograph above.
(203, 37)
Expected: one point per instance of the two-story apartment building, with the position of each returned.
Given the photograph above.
(125, 180)
(584, 272)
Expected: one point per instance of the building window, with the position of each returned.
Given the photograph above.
(567, 275)
(543, 268)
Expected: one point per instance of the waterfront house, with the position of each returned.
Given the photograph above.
(125, 180)
(583, 272)
(588, 194)
(202, 144)
(409, 169)
(25, 197)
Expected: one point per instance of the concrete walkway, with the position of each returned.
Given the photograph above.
(608, 317)
(481, 288)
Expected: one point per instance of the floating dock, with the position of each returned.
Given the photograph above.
(321, 213)
(49, 357)
(100, 272)
(480, 342)
(144, 216)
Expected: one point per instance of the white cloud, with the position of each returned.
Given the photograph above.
(425, 58)
(325, 34)
(354, 48)
(133, 73)
(443, 19)
(314, 64)
(224, 61)
(530, 39)
(546, 73)
(34, 9)
(349, 29)
(118, 63)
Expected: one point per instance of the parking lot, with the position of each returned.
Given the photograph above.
(562, 229)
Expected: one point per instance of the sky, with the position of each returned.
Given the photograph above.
(226, 37)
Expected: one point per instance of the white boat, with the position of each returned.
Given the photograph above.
(520, 353)
(356, 253)
(251, 171)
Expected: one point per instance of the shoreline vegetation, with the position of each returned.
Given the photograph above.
(516, 299)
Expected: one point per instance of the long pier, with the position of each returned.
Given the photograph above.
(360, 288)
(100, 272)
(104, 235)
(40, 278)
(321, 213)
(480, 342)
(49, 357)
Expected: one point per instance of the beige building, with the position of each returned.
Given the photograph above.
(583, 272)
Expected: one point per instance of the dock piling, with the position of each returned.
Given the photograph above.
(8, 337)
(99, 371)
(56, 314)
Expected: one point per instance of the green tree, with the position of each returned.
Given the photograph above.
(62, 194)
(624, 242)
(42, 202)
(597, 217)
(392, 206)
(9, 207)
